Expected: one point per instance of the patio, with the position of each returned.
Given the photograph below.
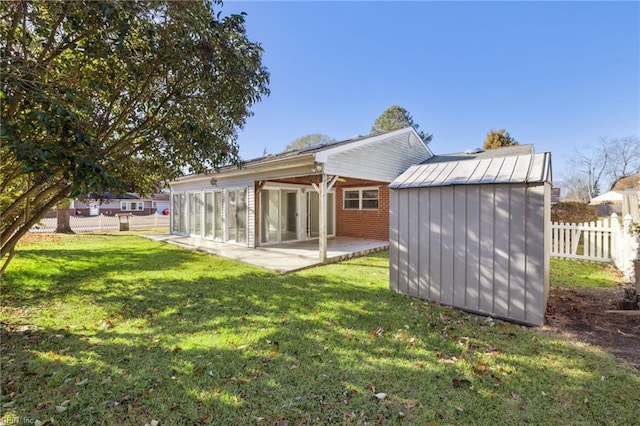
(281, 258)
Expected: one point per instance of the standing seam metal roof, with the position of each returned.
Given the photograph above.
(527, 168)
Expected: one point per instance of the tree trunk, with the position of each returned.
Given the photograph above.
(63, 225)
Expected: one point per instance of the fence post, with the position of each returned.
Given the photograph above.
(626, 250)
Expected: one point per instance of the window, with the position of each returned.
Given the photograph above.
(131, 206)
(361, 199)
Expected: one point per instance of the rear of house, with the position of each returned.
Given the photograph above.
(339, 189)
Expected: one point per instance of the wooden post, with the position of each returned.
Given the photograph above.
(322, 243)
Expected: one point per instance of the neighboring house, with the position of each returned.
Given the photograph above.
(338, 189)
(614, 202)
(117, 204)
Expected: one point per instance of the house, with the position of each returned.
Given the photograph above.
(113, 204)
(472, 230)
(338, 189)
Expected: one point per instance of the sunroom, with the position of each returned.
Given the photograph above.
(338, 189)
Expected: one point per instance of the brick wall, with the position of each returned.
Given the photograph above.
(372, 224)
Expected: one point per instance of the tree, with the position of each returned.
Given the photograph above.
(113, 96)
(309, 141)
(624, 154)
(575, 187)
(396, 117)
(498, 139)
(605, 164)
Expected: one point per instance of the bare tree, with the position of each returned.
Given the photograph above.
(602, 166)
(576, 187)
(590, 166)
(625, 158)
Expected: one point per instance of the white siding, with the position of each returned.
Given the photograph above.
(382, 160)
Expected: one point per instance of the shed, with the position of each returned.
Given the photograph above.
(472, 230)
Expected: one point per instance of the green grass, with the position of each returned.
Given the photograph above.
(119, 330)
(576, 273)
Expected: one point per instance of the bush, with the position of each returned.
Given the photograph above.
(573, 212)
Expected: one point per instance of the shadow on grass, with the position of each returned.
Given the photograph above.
(194, 339)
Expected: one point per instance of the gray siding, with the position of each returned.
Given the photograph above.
(481, 248)
(381, 160)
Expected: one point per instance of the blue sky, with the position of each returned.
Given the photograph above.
(559, 75)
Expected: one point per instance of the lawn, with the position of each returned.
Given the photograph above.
(114, 329)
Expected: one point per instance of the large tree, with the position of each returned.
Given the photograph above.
(498, 139)
(309, 141)
(112, 96)
(396, 117)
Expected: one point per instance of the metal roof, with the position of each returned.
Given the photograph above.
(476, 169)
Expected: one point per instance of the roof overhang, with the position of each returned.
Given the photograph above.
(278, 167)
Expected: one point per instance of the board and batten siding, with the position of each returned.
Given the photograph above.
(481, 248)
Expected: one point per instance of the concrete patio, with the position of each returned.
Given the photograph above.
(281, 258)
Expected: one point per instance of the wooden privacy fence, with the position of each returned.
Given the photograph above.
(103, 223)
(601, 241)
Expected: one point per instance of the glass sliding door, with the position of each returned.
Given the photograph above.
(208, 214)
(217, 215)
(231, 215)
(197, 224)
(191, 207)
(241, 215)
(288, 215)
(313, 214)
(278, 215)
(269, 208)
(236, 218)
(176, 213)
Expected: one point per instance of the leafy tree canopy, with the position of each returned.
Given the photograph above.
(309, 141)
(498, 139)
(396, 117)
(113, 96)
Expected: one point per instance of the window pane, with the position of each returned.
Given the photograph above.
(369, 204)
(369, 194)
(197, 214)
(352, 204)
(208, 215)
(330, 208)
(241, 215)
(351, 195)
(217, 213)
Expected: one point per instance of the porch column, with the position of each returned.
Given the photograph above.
(323, 219)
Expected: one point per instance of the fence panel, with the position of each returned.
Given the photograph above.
(595, 241)
(102, 223)
(46, 225)
(94, 223)
(151, 221)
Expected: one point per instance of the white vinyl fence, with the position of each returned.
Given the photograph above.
(601, 241)
(104, 223)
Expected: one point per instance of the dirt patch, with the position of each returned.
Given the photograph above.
(580, 314)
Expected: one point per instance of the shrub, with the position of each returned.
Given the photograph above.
(573, 212)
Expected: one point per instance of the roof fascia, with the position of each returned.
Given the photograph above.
(269, 165)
